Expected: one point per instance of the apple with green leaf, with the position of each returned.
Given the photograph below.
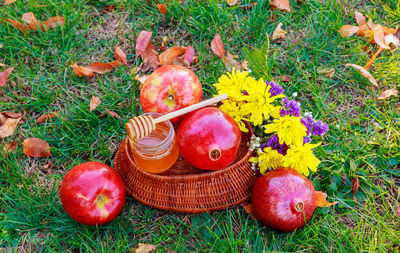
(92, 193)
(170, 88)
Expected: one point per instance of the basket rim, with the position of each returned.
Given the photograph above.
(209, 174)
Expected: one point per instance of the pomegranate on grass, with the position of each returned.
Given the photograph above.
(209, 139)
(283, 199)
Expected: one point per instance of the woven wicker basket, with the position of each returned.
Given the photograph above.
(184, 188)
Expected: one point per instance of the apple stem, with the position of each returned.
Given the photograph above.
(214, 154)
(299, 206)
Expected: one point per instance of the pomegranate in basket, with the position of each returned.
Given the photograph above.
(209, 139)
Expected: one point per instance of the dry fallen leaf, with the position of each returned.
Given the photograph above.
(20, 26)
(388, 93)
(150, 57)
(232, 2)
(14, 115)
(230, 62)
(364, 73)
(281, 4)
(189, 55)
(163, 43)
(30, 19)
(348, 30)
(81, 71)
(9, 126)
(360, 19)
(390, 39)
(162, 8)
(284, 78)
(4, 76)
(47, 116)
(10, 147)
(9, 1)
(379, 37)
(355, 184)
(142, 42)
(109, 8)
(145, 248)
(141, 79)
(36, 147)
(54, 21)
(320, 200)
(94, 102)
(279, 33)
(327, 72)
(167, 57)
(100, 67)
(217, 46)
(120, 56)
(249, 209)
(113, 114)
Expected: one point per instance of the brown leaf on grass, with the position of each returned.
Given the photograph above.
(13, 115)
(141, 79)
(327, 72)
(364, 73)
(9, 1)
(94, 102)
(109, 8)
(101, 68)
(4, 76)
(230, 62)
(2, 119)
(281, 4)
(144, 248)
(246, 7)
(10, 147)
(379, 37)
(232, 2)
(279, 33)
(249, 209)
(348, 30)
(163, 43)
(217, 46)
(167, 57)
(142, 42)
(392, 40)
(113, 114)
(244, 65)
(284, 78)
(9, 126)
(36, 147)
(54, 21)
(355, 184)
(20, 26)
(47, 116)
(81, 71)
(388, 93)
(30, 19)
(360, 19)
(120, 56)
(320, 200)
(162, 8)
(150, 58)
(189, 54)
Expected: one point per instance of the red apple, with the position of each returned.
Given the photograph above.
(92, 193)
(169, 88)
(209, 139)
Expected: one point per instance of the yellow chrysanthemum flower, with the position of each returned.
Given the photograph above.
(289, 130)
(301, 158)
(232, 84)
(233, 109)
(259, 101)
(267, 159)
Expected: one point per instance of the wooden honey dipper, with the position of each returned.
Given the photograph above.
(141, 126)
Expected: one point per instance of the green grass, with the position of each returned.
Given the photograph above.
(363, 140)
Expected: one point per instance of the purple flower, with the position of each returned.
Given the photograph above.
(245, 93)
(308, 122)
(290, 107)
(273, 142)
(276, 89)
(262, 146)
(306, 139)
(319, 128)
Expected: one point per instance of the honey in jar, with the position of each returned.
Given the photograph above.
(158, 151)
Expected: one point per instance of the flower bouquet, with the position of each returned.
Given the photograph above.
(285, 136)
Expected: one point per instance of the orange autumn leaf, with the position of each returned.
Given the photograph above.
(101, 68)
(168, 56)
(9, 1)
(30, 19)
(217, 46)
(320, 200)
(232, 2)
(355, 184)
(54, 21)
(20, 26)
(189, 54)
(120, 56)
(144, 248)
(81, 71)
(379, 37)
(4, 76)
(10, 147)
(388, 93)
(113, 114)
(142, 42)
(150, 57)
(390, 39)
(249, 209)
(279, 33)
(348, 30)
(230, 62)
(162, 8)
(94, 102)
(9, 126)
(45, 117)
(364, 73)
(360, 19)
(36, 147)
(281, 4)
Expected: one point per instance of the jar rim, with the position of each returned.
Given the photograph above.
(164, 143)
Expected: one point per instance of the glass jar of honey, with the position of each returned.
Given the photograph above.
(158, 151)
